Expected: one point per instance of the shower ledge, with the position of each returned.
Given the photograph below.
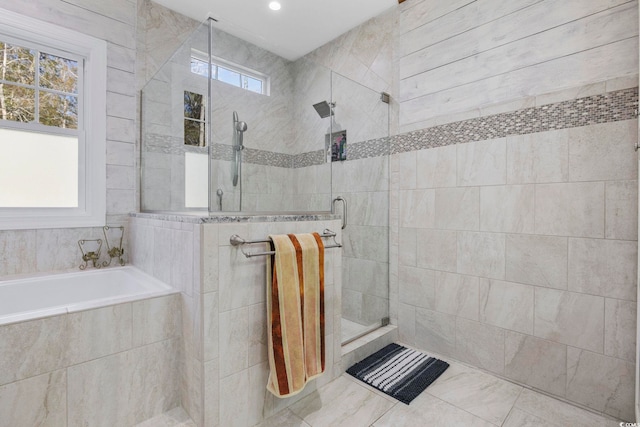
(235, 217)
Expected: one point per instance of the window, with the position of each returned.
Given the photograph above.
(230, 73)
(194, 119)
(52, 125)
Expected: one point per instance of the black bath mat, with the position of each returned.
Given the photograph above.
(398, 371)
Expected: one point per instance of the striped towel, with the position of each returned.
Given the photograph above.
(295, 312)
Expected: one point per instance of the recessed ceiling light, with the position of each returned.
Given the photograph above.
(274, 5)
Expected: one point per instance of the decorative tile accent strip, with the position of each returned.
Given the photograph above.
(604, 108)
(372, 148)
(267, 158)
(206, 218)
(309, 158)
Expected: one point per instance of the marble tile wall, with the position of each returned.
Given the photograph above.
(518, 255)
(55, 363)
(55, 250)
(224, 363)
(171, 251)
(464, 59)
(235, 346)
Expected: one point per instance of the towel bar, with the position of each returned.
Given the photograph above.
(236, 240)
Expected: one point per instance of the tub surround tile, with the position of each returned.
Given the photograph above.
(557, 313)
(156, 319)
(182, 263)
(603, 267)
(467, 389)
(18, 250)
(136, 385)
(537, 260)
(35, 347)
(40, 400)
(602, 383)
(536, 362)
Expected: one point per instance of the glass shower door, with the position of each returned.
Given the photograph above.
(358, 144)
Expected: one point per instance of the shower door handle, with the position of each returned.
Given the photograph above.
(344, 210)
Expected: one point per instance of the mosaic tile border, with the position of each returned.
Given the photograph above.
(212, 218)
(603, 108)
(309, 158)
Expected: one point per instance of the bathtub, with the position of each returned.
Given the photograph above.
(41, 296)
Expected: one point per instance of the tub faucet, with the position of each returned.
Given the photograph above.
(92, 256)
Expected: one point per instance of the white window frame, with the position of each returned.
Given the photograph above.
(92, 97)
(243, 71)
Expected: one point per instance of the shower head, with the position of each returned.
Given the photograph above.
(324, 108)
(241, 126)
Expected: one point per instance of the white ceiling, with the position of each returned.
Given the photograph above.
(295, 30)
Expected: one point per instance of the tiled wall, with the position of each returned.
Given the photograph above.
(455, 57)
(224, 368)
(170, 251)
(55, 372)
(518, 254)
(28, 251)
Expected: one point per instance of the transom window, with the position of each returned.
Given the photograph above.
(230, 73)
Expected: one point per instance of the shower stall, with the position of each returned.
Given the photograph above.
(228, 127)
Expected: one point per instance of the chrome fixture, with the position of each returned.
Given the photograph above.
(115, 251)
(239, 128)
(344, 210)
(236, 240)
(92, 256)
(219, 193)
(324, 108)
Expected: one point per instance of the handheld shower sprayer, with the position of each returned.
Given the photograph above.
(239, 128)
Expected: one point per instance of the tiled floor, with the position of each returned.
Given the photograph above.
(462, 396)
